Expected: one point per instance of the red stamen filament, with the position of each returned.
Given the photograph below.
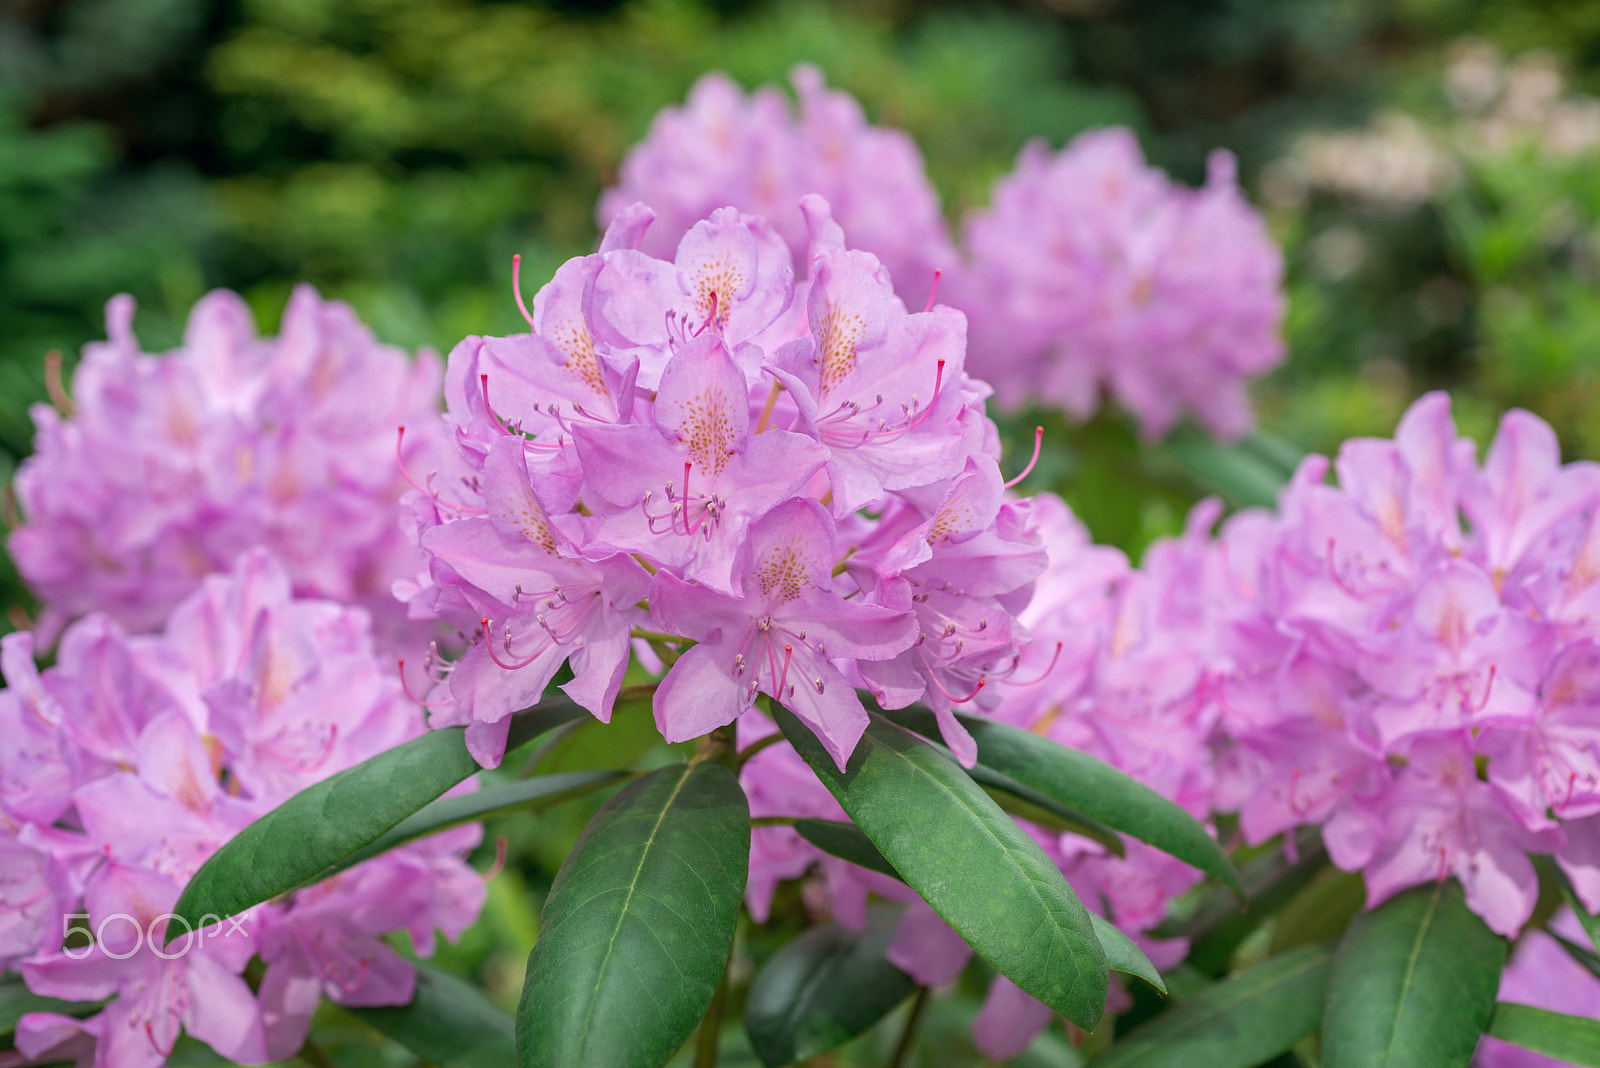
(516, 290)
(405, 685)
(933, 292)
(399, 443)
(1038, 440)
(933, 676)
(488, 640)
(1054, 658)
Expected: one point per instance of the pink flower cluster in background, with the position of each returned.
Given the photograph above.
(1413, 661)
(133, 759)
(799, 478)
(1092, 270)
(723, 147)
(167, 467)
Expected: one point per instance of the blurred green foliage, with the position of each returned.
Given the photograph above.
(396, 153)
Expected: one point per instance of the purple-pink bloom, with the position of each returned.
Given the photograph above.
(642, 452)
(167, 745)
(779, 638)
(1092, 270)
(723, 147)
(166, 467)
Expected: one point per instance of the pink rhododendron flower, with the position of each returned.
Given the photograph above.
(723, 147)
(1411, 666)
(671, 449)
(1092, 270)
(164, 747)
(167, 467)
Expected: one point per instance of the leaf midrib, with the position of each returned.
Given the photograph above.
(1411, 967)
(983, 822)
(622, 913)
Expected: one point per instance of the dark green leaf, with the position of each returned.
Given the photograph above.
(1122, 955)
(822, 989)
(309, 835)
(1581, 954)
(1084, 784)
(1590, 922)
(1413, 984)
(969, 860)
(639, 922)
(1029, 804)
(845, 841)
(490, 801)
(448, 1023)
(1573, 1039)
(1238, 1023)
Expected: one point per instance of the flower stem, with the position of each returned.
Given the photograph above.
(755, 747)
(908, 1037)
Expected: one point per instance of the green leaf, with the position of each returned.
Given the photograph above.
(1092, 787)
(824, 988)
(308, 836)
(1590, 922)
(1413, 984)
(845, 841)
(449, 812)
(1029, 804)
(970, 861)
(639, 923)
(1238, 1023)
(1122, 955)
(1573, 1039)
(449, 1022)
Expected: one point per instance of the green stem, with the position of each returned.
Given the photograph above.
(908, 1037)
(719, 745)
(773, 821)
(706, 1044)
(755, 747)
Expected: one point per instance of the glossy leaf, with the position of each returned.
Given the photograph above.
(1572, 1039)
(1122, 955)
(639, 922)
(970, 861)
(308, 836)
(1092, 787)
(449, 1022)
(449, 812)
(1413, 984)
(1238, 1023)
(1029, 804)
(824, 988)
(845, 841)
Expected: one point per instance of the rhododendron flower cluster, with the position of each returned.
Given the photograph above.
(802, 481)
(128, 763)
(1118, 667)
(161, 469)
(723, 147)
(1091, 270)
(1414, 662)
